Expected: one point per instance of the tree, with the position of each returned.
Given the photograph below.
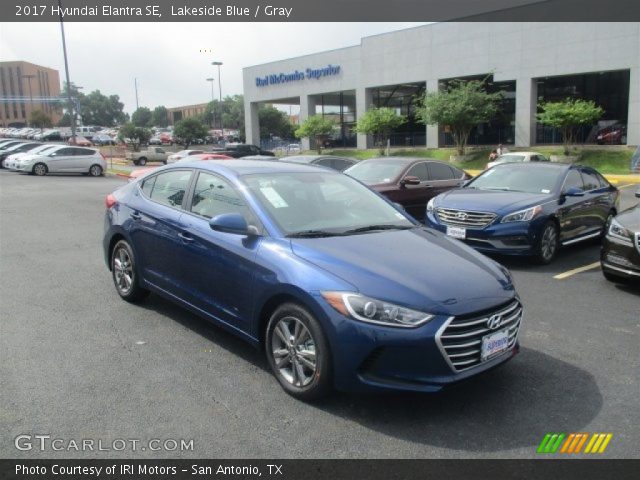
(379, 122)
(274, 122)
(39, 119)
(134, 136)
(141, 117)
(160, 116)
(462, 105)
(189, 129)
(99, 109)
(316, 127)
(567, 116)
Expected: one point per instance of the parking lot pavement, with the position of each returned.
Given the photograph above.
(76, 362)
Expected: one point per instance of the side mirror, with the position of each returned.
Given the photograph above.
(574, 192)
(232, 223)
(638, 193)
(410, 180)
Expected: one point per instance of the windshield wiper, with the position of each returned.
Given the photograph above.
(313, 234)
(371, 228)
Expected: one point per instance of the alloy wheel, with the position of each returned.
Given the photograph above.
(294, 351)
(95, 171)
(123, 270)
(549, 243)
(40, 169)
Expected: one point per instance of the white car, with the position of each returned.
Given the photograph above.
(11, 161)
(182, 154)
(517, 157)
(63, 159)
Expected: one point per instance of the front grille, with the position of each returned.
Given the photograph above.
(460, 340)
(465, 218)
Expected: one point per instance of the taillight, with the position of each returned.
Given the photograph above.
(110, 201)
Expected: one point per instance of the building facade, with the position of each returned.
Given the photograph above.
(178, 113)
(25, 87)
(529, 62)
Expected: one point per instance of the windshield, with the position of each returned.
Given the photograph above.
(322, 203)
(518, 179)
(374, 172)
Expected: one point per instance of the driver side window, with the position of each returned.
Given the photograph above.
(214, 196)
(419, 170)
(574, 179)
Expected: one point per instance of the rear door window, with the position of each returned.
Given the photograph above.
(419, 170)
(167, 188)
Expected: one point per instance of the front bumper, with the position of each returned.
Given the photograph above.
(513, 238)
(620, 259)
(368, 357)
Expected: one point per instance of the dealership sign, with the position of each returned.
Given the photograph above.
(297, 76)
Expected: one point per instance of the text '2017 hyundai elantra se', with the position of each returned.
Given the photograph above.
(338, 286)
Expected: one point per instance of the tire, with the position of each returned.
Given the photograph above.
(40, 169)
(95, 170)
(548, 244)
(123, 273)
(303, 376)
(142, 161)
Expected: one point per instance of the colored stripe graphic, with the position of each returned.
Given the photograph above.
(573, 443)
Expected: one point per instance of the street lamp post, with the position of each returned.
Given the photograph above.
(211, 79)
(218, 64)
(66, 69)
(29, 77)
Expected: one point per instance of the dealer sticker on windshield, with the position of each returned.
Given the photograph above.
(457, 232)
(494, 344)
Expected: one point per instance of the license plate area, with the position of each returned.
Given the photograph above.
(457, 232)
(494, 344)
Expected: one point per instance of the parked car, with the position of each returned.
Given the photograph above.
(11, 161)
(612, 135)
(620, 254)
(238, 150)
(102, 139)
(183, 154)
(518, 157)
(155, 141)
(293, 148)
(410, 182)
(79, 141)
(17, 148)
(527, 209)
(64, 159)
(330, 161)
(151, 154)
(340, 287)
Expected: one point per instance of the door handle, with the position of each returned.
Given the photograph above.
(185, 237)
(136, 216)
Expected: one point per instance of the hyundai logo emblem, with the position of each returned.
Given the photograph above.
(461, 215)
(494, 321)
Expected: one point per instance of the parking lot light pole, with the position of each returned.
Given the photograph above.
(211, 79)
(66, 69)
(218, 64)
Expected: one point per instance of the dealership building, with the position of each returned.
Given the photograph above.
(529, 62)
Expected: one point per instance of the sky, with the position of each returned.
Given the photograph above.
(171, 61)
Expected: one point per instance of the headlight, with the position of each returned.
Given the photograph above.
(370, 310)
(618, 231)
(430, 206)
(523, 215)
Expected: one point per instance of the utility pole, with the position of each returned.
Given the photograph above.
(218, 64)
(135, 82)
(66, 69)
(211, 79)
(29, 77)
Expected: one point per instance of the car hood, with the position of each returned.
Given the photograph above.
(418, 268)
(630, 218)
(29, 156)
(497, 202)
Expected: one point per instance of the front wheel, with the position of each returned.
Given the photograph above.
(123, 269)
(548, 243)
(298, 352)
(40, 169)
(142, 161)
(95, 170)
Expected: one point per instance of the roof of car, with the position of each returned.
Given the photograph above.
(250, 167)
(521, 153)
(558, 166)
(402, 160)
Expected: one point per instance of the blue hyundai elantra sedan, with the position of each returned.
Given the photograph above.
(337, 285)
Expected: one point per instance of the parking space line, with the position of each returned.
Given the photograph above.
(627, 185)
(567, 274)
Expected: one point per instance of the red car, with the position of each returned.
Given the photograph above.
(612, 135)
(166, 138)
(410, 182)
(79, 141)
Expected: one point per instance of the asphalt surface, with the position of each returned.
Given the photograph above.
(76, 362)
